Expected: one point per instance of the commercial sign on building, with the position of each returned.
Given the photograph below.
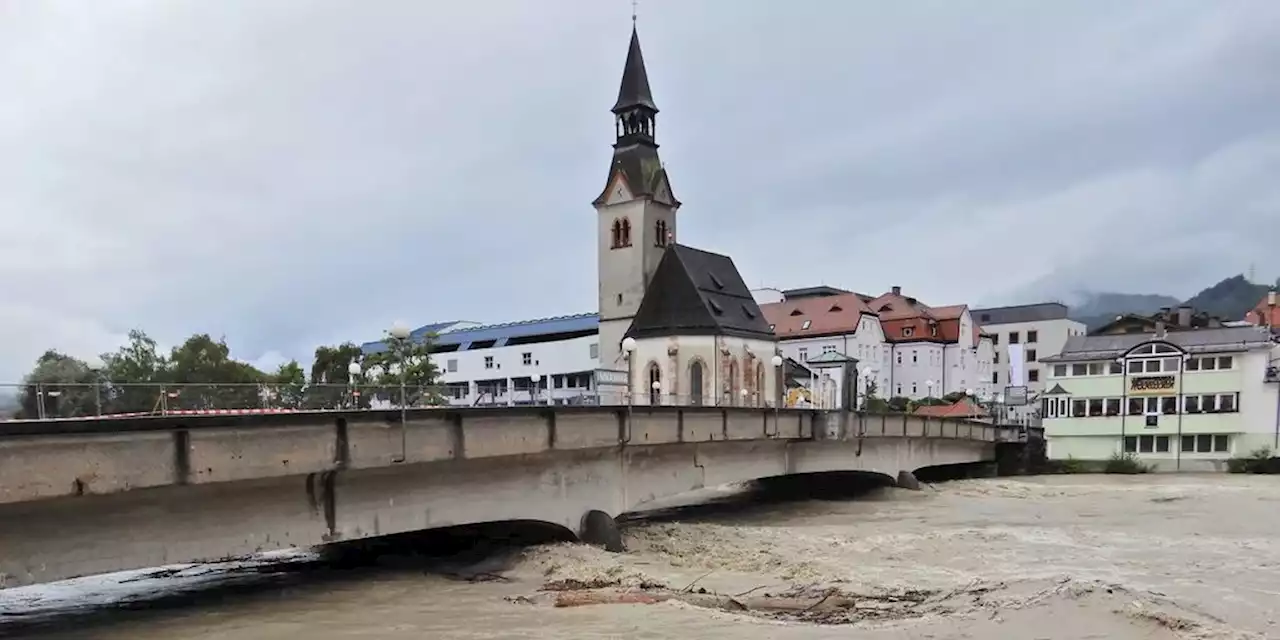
(1151, 385)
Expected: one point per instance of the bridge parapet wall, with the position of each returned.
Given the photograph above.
(69, 458)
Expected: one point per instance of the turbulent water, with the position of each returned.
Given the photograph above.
(1054, 558)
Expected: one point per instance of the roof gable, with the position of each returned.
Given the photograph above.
(695, 292)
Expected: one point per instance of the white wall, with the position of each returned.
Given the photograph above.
(866, 345)
(1050, 339)
(674, 355)
(546, 359)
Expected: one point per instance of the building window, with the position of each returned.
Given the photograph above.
(526, 358)
(1146, 444)
(1169, 406)
(1095, 406)
(1117, 368)
(1033, 375)
(828, 348)
(452, 365)
(995, 339)
(914, 357)
(488, 362)
(1059, 370)
(1113, 407)
(899, 358)
(804, 354)
(995, 358)
(1227, 402)
(1079, 369)
(1078, 408)
(621, 233)
(594, 351)
(1032, 336)
(1135, 406)
(1013, 337)
(806, 325)
(1206, 443)
(619, 299)
(995, 378)
(913, 388)
(907, 331)
(655, 385)
(660, 231)
(1031, 355)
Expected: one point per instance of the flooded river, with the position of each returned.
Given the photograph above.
(1055, 558)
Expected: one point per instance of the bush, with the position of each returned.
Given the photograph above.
(1072, 465)
(1258, 461)
(1126, 463)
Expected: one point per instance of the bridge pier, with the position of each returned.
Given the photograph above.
(601, 530)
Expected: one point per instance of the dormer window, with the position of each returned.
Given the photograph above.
(771, 327)
(885, 308)
(835, 308)
(806, 325)
(716, 281)
(907, 332)
(747, 310)
(796, 312)
(716, 307)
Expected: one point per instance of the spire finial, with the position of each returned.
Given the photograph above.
(635, 6)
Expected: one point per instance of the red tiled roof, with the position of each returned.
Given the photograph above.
(827, 315)
(963, 408)
(1264, 314)
(899, 313)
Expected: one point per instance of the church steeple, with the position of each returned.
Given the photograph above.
(635, 112)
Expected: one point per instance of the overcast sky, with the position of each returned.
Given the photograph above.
(286, 173)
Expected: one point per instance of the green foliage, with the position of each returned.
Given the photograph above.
(201, 374)
(404, 369)
(1126, 463)
(952, 398)
(899, 404)
(1072, 465)
(1261, 460)
(1229, 299)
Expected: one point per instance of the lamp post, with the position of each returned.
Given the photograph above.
(96, 366)
(656, 398)
(353, 376)
(779, 388)
(400, 333)
(968, 393)
(743, 392)
(628, 352)
(928, 384)
(534, 379)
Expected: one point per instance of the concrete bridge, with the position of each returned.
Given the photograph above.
(87, 497)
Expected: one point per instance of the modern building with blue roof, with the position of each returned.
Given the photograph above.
(498, 363)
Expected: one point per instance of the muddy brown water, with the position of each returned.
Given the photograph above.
(1054, 558)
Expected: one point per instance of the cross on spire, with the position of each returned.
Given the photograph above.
(635, 4)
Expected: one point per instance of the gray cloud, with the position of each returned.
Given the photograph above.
(291, 173)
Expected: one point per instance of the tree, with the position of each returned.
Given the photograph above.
(899, 404)
(202, 375)
(132, 375)
(288, 387)
(329, 386)
(405, 365)
(60, 387)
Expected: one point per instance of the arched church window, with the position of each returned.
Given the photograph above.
(660, 233)
(655, 384)
(617, 234)
(626, 233)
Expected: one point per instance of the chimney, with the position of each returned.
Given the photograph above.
(1184, 316)
(897, 291)
(1271, 298)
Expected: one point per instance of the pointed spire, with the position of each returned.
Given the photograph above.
(634, 91)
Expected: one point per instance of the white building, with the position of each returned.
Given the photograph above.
(905, 347)
(1022, 335)
(1184, 400)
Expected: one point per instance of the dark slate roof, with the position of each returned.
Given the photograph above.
(634, 91)
(1020, 313)
(813, 292)
(1110, 347)
(640, 165)
(1057, 390)
(695, 292)
(500, 333)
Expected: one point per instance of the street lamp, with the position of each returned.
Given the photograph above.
(929, 386)
(743, 393)
(353, 374)
(628, 349)
(96, 366)
(778, 384)
(533, 388)
(657, 393)
(968, 393)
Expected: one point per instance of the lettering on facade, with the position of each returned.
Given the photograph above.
(1151, 384)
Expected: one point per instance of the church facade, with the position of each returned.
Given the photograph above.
(679, 322)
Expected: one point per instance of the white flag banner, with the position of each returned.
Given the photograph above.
(1017, 366)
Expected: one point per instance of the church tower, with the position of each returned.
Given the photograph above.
(636, 211)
